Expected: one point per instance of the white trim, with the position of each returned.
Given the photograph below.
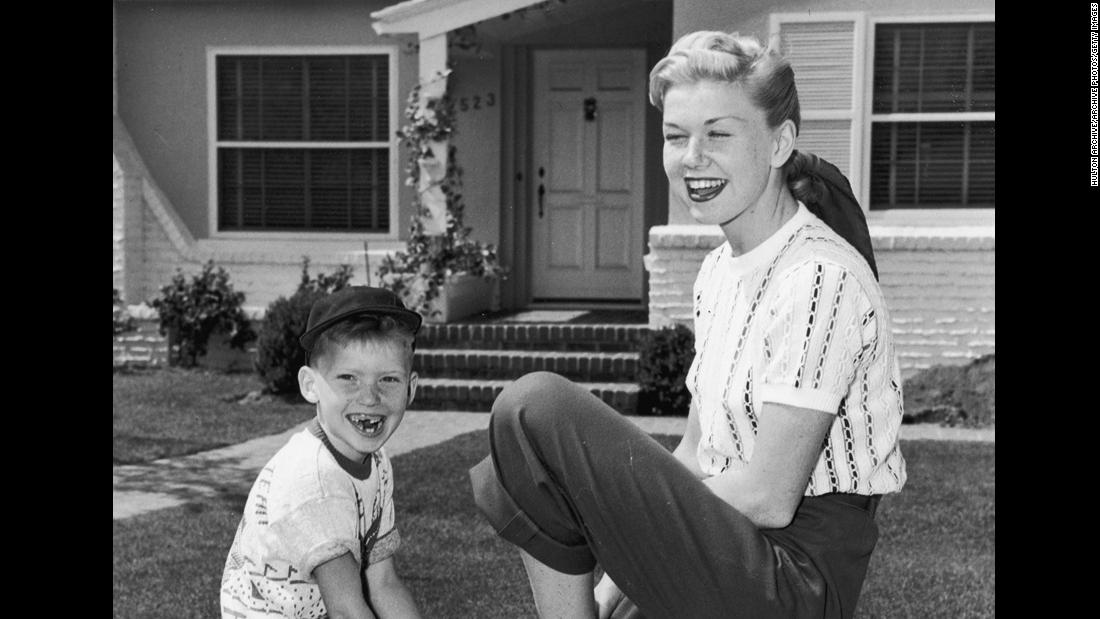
(395, 105)
(934, 117)
(432, 17)
(811, 16)
(333, 145)
(933, 18)
(859, 58)
(863, 190)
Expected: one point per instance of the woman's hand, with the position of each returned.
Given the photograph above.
(608, 596)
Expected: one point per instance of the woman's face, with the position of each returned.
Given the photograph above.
(718, 149)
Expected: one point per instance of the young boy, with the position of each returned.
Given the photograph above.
(317, 536)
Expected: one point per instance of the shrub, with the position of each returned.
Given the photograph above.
(191, 311)
(278, 353)
(664, 358)
(123, 321)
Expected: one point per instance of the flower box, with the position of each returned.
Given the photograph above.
(462, 296)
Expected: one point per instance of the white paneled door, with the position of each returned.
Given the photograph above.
(587, 199)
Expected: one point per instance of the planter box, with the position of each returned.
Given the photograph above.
(462, 296)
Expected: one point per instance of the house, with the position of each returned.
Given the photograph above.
(255, 132)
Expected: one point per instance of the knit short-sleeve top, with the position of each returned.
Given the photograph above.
(798, 320)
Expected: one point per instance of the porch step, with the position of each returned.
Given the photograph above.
(510, 364)
(532, 336)
(478, 394)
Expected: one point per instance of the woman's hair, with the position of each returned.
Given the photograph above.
(764, 73)
(362, 328)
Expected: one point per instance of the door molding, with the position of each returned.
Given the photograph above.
(595, 200)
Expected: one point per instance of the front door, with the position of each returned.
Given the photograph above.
(587, 199)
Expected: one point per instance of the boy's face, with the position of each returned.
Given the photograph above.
(361, 391)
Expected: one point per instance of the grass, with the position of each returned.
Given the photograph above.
(935, 556)
(173, 412)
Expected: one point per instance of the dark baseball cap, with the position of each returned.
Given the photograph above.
(353, 301)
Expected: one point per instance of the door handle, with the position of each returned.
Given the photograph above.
(590, 109)
(542, 190)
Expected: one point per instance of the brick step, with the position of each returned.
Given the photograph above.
(477, 395)
(532, 336)
(511, 364)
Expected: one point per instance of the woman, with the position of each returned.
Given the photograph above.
(766, 507)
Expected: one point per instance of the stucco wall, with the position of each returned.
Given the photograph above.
(161, 77)
(476, 82)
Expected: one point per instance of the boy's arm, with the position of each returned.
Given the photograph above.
(341, 588)
(388, 595)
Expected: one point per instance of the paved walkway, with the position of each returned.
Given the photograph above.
(171, 482)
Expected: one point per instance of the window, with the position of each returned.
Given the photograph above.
(303, 142)
(933, 126)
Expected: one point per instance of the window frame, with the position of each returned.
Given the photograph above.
(212, 54)
(921, 214)
(863, 96)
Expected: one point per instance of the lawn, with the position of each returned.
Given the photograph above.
(173, 412)
(935, 556)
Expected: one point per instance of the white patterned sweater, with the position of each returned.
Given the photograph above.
(798, 320)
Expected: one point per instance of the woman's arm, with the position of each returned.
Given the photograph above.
(788, 444)
(689, 444)
(341, 589)
(388, 595)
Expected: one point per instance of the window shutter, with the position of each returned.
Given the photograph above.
(823, 56)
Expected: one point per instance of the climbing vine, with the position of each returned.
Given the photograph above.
(418, 273)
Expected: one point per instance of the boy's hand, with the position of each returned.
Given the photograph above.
(388, 595)
(608, 596)
(341, 588)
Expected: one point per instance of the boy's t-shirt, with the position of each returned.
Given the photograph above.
(309, 504)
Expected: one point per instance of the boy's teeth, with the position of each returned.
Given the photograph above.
(366, 423)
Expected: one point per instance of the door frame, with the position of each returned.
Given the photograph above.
(517, 145)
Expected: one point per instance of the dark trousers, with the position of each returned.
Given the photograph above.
(573, 483)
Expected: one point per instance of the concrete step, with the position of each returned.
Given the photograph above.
(510, 364)
(532, 336)
(460, 394)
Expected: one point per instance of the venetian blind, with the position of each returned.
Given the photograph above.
(331, 104)
(929, 148)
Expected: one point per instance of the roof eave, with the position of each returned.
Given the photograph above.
(429, 18)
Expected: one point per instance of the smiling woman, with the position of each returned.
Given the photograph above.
(767, 506)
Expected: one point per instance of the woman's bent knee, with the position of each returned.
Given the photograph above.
(532, 392)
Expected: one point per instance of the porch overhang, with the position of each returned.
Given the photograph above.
(431, 18)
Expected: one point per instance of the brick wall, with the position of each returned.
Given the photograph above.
(939, 284)
(145, 347)
(119, 228)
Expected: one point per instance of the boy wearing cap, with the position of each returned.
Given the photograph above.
(317, 536)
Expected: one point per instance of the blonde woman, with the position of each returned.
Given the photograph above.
(766, 508)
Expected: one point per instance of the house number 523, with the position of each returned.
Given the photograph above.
(476, 102)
